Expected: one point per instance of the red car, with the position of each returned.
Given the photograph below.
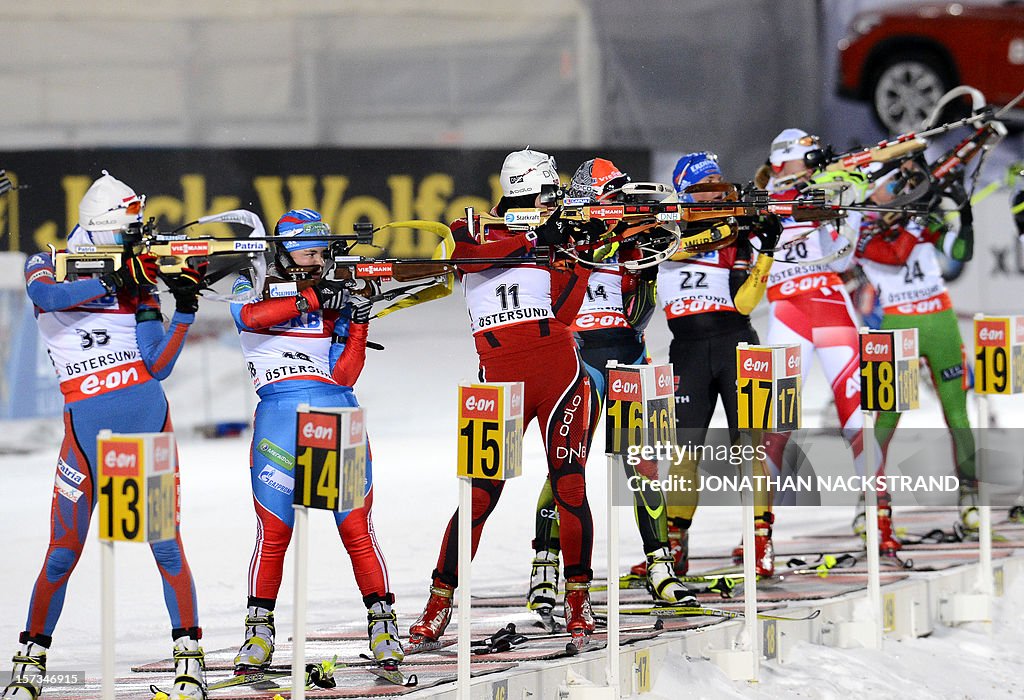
(903, 59)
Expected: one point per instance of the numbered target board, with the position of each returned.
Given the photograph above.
(999, 354)
(768, 387)
(890, 370)
(491, 430)
(138, 486)
(641, 408)
(330, 458)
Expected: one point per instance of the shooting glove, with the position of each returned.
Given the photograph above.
(136, 270)
(184, 287)
(361, 309)
(768, 230)
(843, 188)
(553, 231)
(332, 294)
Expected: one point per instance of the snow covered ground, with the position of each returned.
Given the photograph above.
(409, 391)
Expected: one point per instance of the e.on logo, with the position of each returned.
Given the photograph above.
(355, 428)
(909, 345)
(990, 334)
(121, 458)
(664, 380)
(318, 430)
(876, 347)
(162, 454)
(479, 402)
(517, 400)
(792, 362)
(623, 386)
(755, 364)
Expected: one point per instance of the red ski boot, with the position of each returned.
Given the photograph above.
(764, 550)
(435, 618)
(579, 616)
(887, 542)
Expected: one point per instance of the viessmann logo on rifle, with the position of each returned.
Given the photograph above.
(374, 269)
(190, 248)
(606, 212)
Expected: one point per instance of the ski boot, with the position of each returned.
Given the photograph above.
(662, 581)
(29, 669)
(543, 582)
(382, 628)
(436, 615)
(189, 669)
(888, 545)
(764, 550)
(679, 545)
(969, 525)
(257, 651)
(579, 615)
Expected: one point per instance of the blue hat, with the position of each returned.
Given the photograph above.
(304, 228)
(694, 167)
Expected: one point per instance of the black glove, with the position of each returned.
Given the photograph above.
(553, 231)
(184, 287)
(768, 230)
(588, 231)
(134, 271)
(361, 309)
(332, 294)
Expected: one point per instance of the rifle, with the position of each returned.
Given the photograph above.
(173, 250)
(431, 278)
(906, 145)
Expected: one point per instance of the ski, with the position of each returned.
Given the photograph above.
(546, 621)
(723, 584)
(700, 611)
(432, 645)
(390, 672)
(580, 642)
(510, 629)
(253, 678)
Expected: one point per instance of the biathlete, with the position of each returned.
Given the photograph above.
(609, 326)
(521, 318)
(106, 337)
(308, 348)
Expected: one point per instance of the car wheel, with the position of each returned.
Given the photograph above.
(905, 91)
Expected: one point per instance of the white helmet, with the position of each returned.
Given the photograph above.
(526, 172)
(791, 144)
(110, 205)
